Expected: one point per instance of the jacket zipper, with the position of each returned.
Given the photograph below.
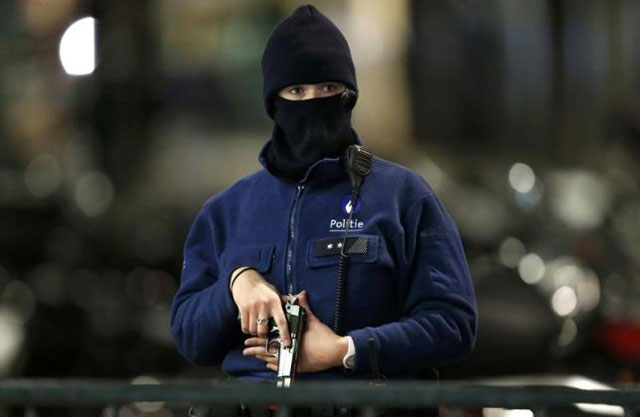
(290, 239)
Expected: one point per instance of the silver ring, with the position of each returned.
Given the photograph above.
(263, 321)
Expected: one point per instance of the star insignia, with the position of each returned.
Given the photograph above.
(330, 246)
(339, 244)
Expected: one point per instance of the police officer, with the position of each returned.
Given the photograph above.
(279, 231)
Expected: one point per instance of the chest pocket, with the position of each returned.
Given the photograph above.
(258, 257)
(326, 251)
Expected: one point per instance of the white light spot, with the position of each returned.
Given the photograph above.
(568, 274)
(145, 406)
(93, 194)
(11, 339)
(580, 199)
(603, 409)
(42, 176)
(566, 271)
(77, 47)
(501, 412)
(19, 299)
(589, 291)
(519, 413)
(521, 177)
(511, 251)
(564, 301)
(531, 268)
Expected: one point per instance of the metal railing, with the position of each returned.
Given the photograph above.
(364, 396)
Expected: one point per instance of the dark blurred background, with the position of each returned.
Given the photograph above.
(119, 118)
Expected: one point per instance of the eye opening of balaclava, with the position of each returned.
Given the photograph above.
(307, 48)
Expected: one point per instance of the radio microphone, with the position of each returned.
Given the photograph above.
(358, 165)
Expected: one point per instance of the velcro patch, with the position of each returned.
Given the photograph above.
(333, 246)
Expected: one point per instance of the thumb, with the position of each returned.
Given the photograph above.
(284, 297)
(303, 299)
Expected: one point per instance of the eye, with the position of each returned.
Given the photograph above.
(328, 88)
(296, 91)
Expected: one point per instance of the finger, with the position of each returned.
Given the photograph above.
(303, 299)
(278, 315)
(263, 329)
(253, 322)
(254, 350)
(255, 341)
(285, 297)
(244, 320)
(268, 359)
(272, 367)
(262, 358)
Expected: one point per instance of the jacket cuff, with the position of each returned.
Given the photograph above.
(361, 338)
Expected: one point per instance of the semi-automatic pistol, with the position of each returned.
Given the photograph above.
(287, 356)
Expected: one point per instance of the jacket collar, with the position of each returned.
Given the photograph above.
(326, 170)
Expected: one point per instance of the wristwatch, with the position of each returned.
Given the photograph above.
(349, 360)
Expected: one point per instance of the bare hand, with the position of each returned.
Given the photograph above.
(321, 347)
(256, 346)
(257, 299)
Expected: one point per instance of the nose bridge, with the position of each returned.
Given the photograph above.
(315, 91)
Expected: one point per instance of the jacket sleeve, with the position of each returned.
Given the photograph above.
(438, 323)
(203, 314)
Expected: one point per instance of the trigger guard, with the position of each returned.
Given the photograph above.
(268, 343)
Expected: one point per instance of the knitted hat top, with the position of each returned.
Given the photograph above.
(305, 48)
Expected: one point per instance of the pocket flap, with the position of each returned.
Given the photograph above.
(258, 257)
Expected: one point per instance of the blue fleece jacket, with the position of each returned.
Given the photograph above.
(409, 286)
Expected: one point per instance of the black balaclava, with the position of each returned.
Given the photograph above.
(307, 48)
